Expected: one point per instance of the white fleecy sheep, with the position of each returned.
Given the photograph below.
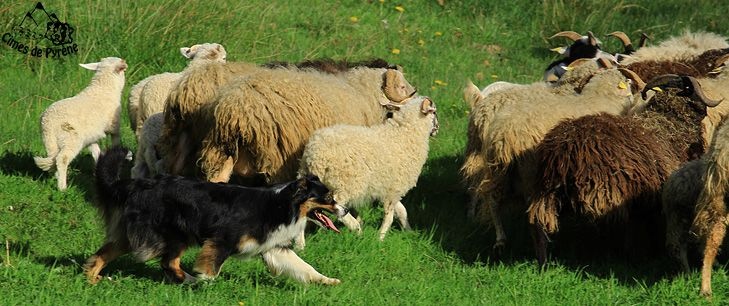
(381, 162)
(147, 157)
(149, 95)
(81, 121)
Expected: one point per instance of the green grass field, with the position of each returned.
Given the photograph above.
(46, 235)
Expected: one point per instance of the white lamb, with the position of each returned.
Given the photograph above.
(81, 121)
(381, 162)
(149, 95)
(146, 158)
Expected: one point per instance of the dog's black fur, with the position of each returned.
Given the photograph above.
(160, 217)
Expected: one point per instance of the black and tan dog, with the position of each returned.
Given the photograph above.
(161, 217)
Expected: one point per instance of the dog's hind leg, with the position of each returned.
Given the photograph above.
(210, 260)
(107, 253)
(402, 215)
(171, 264)
(285, 261)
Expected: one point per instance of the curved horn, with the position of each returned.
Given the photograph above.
(660, 81)
(579, 61)
(622, 36)
(637, 81)
(604, 63)
(592, 39)
(643, 38)
(395, 87)
(699, 93)
(574, 36)
(721, 60)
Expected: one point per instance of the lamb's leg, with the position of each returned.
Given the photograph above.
(95, 151)
(387, 219)
(285, 261)
(713, 242)
(106, 254)
(402, 215)
(63, 159)
(181, 152)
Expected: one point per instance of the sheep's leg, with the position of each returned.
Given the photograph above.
(95, 151)
(472, 205)
(63, 159)
(500, 243)
(713, 242)
(387, 220)
(285, 261)
(402, 215)
(181, 152)
(140, 168)
(539, 237)
(352, 223)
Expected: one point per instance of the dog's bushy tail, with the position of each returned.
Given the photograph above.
(108, 169)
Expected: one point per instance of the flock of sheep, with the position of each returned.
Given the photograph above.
(630, 138)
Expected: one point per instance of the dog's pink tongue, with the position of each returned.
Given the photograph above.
(326, 221)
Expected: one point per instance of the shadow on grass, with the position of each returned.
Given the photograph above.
(579, 246)
(21, 164)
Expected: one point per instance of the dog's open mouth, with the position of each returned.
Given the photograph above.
(324, 221)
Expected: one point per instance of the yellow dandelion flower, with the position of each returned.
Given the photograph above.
(382, 1)
(432, 87)
(395, 51)
(438, 33)
(440, 83)
(493, 76)
(421, 42)
(353, 19)
(399, 8)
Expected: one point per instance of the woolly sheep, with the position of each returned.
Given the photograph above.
(381, 162)
(146, 158)
(512, 133)
(149, 95)
(605, 165)
(683, 47)
(81, 121)
(261, 123)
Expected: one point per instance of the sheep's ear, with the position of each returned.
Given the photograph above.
(592, 39)
(396, 87)
(427, 106)
(90, 66)
(471, 94)
(186, 52)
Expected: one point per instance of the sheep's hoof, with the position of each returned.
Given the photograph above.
(499, 248)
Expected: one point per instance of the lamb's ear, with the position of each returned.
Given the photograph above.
(396, 87)
(90, 66)
(427, 106)
(471, 94)
(185, 52)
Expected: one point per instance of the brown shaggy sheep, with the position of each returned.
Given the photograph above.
(607, 166)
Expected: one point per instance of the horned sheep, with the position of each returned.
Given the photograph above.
(499, 138)
(605, 165)
(81, 121)
(381, 162)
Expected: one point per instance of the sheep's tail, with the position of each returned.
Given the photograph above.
(45, 163)
(543, 211)
(108, 169)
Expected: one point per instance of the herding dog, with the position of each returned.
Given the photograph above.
(161, 217)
